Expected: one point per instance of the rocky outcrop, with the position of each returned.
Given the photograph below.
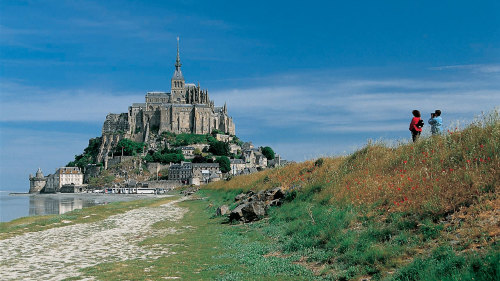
(253, 206)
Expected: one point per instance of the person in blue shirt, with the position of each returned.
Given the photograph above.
(436, 122)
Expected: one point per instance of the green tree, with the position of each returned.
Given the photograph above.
(219, 148)
(224, 164)
(130, 147)
(199, 159)
(268, 152)
(167, 157)
(89, 155)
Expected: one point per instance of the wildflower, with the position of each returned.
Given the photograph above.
(451, 170)
(405, 161)
(406, 199)
(399, 188)
(468, 161)
(481, 146)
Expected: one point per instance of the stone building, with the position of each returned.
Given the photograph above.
(186, 109)
(237, 166)
(194, 173)
(37, 182)
(254, 159)
(63, 176)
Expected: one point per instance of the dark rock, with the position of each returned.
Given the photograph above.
(253, 211)
(189, 191)
(222, 210)
(237, 213)
(275, 202)
(275, 193)
(241, 196)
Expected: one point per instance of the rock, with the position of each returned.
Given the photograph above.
(222, 210)
(237, 213)
(275, 202)
(275, 193)
(253, 211)
(189, 191)
(240, 197)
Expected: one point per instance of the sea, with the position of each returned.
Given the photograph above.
(16, 205)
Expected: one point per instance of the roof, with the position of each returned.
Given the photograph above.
(237, 161)
(157, 94)
(178, 75)
(202, 165)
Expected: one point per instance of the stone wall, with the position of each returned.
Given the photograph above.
(167, 184)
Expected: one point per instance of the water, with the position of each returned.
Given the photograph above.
(22, 205)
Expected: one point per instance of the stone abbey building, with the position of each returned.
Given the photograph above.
(186, 109)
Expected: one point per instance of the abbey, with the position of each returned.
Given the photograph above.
(186, 109)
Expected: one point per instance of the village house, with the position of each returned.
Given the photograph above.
(237, 166)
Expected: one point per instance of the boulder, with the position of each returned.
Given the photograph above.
(222, 210)
(253, 211)
(236, 213)
(275, 193)
(275, 202)
(189, 191)
(240, 197)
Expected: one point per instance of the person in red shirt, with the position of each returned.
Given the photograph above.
(416, 125)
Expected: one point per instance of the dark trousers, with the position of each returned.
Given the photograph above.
(415, 135)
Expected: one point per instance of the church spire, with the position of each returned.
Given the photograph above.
(178, 60)
(178, 72)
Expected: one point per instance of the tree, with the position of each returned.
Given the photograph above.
(224, 164)
(129, 147)
(199, 159)
(268, 152)
(89, 155)
(168, 157)
(219, 148)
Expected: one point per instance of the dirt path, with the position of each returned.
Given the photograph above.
(59, 253)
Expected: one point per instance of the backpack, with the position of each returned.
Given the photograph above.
(420, 123)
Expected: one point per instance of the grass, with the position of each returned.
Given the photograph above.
(387, 212)
(205, 250)
(86, 215)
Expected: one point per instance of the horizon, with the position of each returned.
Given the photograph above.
(309, 81)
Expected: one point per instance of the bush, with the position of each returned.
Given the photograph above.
(268, 152)
(224, 164)
(129, 147)
(219, 148)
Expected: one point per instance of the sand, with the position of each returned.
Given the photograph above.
(60, 253)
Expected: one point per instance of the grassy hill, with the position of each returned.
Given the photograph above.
(423, 211)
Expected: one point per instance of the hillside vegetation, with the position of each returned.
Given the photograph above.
(423, 211)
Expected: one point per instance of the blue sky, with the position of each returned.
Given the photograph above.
(309, 79)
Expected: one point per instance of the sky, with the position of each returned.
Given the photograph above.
(310, 79)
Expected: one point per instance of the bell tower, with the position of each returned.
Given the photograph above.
(178, 91)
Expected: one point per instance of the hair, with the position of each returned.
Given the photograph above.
(416, 113)
(437, 112)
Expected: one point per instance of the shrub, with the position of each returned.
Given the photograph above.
(224, 164)
(268, 152)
